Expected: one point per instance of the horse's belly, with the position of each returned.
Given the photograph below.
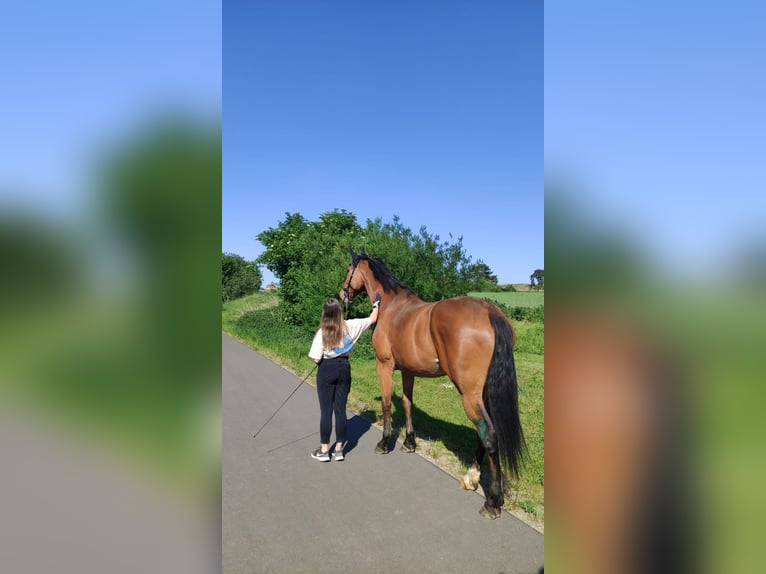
(420, 368)
(434, 371)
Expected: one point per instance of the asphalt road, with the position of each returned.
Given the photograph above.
(284, 512)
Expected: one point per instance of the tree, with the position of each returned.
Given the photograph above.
(238, 277)
(537, 279)
(485, 279)
(284, 244)
(431, 269)
(485, 272)
(310, 260)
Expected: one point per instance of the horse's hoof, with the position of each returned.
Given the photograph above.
(407, 448)
(471, 480)
(490, 513)
(382, 448)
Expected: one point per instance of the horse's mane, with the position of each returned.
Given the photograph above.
(382, 274)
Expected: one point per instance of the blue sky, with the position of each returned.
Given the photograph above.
(429, 110)
(80, 75)
(654, 121)
(432, 111)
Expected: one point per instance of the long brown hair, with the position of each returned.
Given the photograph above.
(332, 324)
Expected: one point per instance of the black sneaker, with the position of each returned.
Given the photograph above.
(337, 454)
(321, 456)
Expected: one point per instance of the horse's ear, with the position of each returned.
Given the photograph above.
(354, 256)
(363, 254)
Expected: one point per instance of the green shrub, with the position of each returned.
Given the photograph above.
(310, 258)
(238, 277)
(532, 314)
(270, 328)
(530, 338)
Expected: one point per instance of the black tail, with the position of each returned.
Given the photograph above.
(501, 397)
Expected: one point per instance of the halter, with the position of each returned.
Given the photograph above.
(347, 290)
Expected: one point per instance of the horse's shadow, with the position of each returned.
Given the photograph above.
(458, 439)
(356, 427)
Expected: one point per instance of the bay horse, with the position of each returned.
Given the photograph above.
(466, 338)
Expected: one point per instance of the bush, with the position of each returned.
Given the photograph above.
(311, 258)
(271, 328)
(530, 338)
(238, 277)
(532, 314)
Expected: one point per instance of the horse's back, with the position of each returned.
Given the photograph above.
(468, 311)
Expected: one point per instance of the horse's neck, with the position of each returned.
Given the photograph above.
(373, 287)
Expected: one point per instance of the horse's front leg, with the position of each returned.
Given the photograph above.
(408, 382)
(385, 375)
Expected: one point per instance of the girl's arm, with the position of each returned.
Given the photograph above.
(375, 308)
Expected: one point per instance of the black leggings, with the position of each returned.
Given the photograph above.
(333, 385)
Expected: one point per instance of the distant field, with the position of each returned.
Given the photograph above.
(514, 299)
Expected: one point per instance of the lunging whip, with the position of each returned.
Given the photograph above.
(287, 399)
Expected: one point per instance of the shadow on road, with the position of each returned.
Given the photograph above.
(458, 439)
(356, 427)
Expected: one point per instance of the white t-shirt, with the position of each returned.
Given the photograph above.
(352, 332)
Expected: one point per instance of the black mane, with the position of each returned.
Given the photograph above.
(382, 274)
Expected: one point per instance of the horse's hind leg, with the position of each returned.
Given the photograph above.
(474, 408)
(470, 480)
(408, 382)
(494, 496)
(474, 412)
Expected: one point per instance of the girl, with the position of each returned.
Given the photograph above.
(330, 349)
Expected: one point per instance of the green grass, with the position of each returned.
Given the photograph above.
(514, 298)
(257, 320)
(443, 432)
(233, 310)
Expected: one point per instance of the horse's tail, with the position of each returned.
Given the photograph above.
(501, 396)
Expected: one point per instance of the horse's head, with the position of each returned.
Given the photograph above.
(354, 282)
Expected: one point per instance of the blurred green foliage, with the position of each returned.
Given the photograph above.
(162, 197)
(116, 321)
(42, 264)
